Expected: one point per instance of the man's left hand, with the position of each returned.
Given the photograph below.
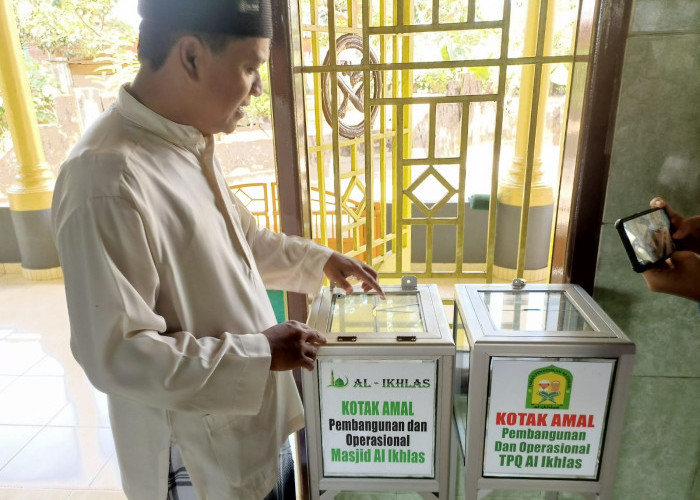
(340, 269)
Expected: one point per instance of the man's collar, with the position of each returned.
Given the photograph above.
(181, 135)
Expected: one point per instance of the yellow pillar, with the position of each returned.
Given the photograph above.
(511, 188)
(33, 184)
(30, 194)
(529, 201)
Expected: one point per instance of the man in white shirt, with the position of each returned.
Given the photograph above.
(166, 272)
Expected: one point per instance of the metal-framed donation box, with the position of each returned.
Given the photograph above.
(541, 382)
(378, 403)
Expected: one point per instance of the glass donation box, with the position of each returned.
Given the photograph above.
(378, 403)
(540, 388)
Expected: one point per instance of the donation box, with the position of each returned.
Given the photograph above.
(378, 403)
(541, 382)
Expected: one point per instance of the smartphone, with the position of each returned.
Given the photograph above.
(646, 237)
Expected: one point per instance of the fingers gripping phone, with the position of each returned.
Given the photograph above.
(646, 237)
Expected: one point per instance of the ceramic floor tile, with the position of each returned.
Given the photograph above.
(22, 310)
(32, 400)
(660, 440)
(108, 478)
(47, 366)
(98, 495)
(87, 408)
(18, 353)
(40, 494)
(6, 380)
(12, 439)
(60, 457)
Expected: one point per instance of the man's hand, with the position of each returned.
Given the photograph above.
(293, 345)
(340, 269)
(687, 229)
(681, 276)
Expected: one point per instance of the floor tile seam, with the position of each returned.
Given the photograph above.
(52, 417)
(34, 487)
(75, 491)
(10, 382)
(67, 426)
(74, 426)
(55, 415)
(44, 375)
(641, 33)
(104, 465)
(9, 461)
(42, 429)
(50, 423)
(25, 372)
(669, 377)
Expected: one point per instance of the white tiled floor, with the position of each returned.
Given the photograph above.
(55, 437)
(55, 440)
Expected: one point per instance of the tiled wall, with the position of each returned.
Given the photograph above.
(656, 151)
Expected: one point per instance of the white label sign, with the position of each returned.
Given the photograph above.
(378, 417)
(546, 417)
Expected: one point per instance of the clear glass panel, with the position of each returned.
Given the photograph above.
(482, 127)
(420, 116)
(518, 30)
(534, 311)
(452, 11)
(457, 45)
(555, 79)
(423, 12)
(563, 28)
(431, 185)
(488, 10)
(363, 313)
(448, 133)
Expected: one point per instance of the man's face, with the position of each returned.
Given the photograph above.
(228, 80)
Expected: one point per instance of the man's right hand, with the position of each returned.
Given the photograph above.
(293, 345)
(687, 229)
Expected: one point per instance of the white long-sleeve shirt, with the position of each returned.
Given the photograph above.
(165, 276)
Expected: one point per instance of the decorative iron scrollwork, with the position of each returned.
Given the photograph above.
(351, 103)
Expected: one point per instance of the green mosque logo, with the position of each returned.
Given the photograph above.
(338, 382)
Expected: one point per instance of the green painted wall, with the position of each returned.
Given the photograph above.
(656, 151)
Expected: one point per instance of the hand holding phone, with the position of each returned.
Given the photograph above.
(646, 237)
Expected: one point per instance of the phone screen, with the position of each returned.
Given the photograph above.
(647, 237)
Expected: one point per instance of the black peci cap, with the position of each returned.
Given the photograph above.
(229, 17)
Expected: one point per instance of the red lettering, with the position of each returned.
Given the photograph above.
(503, 418)
(584, 421)
(542, 419)
(531, 419)
(569, 420)
(556, 420)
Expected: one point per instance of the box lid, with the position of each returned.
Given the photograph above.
(407, 315)
(542, 311)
